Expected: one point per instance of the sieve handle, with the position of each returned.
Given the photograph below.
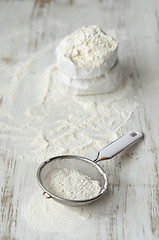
(119, 145)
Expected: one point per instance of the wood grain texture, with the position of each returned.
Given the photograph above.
(131, 205)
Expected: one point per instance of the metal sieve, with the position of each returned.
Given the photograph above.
(85, 166)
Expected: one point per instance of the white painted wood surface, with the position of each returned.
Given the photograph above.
(130, 209)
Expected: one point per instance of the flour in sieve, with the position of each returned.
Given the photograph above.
(71, 184)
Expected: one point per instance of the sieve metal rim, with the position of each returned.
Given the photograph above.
(51, 195)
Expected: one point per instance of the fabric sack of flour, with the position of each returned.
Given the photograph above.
(106, 83)
(87, 62)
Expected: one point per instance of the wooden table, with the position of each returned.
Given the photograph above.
(132, 204)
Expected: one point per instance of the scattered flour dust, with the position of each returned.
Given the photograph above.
(71, 184)
(50, 216)
(46, 121)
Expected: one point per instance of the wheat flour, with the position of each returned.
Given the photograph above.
(71, 184)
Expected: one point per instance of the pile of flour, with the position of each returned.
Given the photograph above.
(71, 184)
(88, 47)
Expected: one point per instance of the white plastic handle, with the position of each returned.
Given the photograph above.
(119, 145)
